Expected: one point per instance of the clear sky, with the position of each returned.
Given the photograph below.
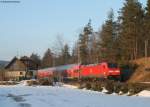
(32, 25)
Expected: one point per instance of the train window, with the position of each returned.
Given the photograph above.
(112, 65)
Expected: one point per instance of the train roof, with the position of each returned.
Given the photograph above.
(59, 68)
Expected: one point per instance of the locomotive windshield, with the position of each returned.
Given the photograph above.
(112, 65)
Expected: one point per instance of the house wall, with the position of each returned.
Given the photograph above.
(1, 76)
(14, 75)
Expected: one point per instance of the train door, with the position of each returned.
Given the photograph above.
(104, 70)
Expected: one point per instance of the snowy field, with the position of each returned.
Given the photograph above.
(45, 96)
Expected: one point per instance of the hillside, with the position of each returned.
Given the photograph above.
(3, 63)
(142, 73)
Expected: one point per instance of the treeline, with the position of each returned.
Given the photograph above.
(51, 59)
(119, 40)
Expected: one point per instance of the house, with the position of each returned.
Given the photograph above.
(21, 68)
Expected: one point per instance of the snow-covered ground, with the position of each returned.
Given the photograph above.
(144, 93)
(46, 96)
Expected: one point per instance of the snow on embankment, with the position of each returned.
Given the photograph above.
(144, 93)
(70, 86)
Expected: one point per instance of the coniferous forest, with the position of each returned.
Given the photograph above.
(119, 40)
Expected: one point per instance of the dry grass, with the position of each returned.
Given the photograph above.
(142, 73)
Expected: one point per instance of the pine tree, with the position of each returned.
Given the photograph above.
(147, 28)
(131, 20)
(107, 36)
(93, 48)
(36, 59)
(75, 54)
(47, 60)
(65, 55)
(84, 42)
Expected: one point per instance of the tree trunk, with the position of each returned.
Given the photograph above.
(146, 48)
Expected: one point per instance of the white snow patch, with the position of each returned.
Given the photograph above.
(144, 93)
(47, 96)
(104, 90)
(70, 86)
(23, 83)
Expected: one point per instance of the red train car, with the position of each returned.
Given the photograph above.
(102, 70)
(57, 71)
(74, 72)
(44, 73)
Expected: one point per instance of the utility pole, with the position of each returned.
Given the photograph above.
(79, 61)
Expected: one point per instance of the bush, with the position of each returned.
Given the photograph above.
(90, 79)
(32, 82)
(97, 86)
(88, 86)
(117, 87)
(82, 85)
(109, 85)
(45, 82)
(112, 86)
(124, 88)
(135, 88)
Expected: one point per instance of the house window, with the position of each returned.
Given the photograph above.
(21, 73)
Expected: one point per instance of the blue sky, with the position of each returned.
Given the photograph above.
(32, 25)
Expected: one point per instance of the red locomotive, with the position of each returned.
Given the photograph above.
(102, 70)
